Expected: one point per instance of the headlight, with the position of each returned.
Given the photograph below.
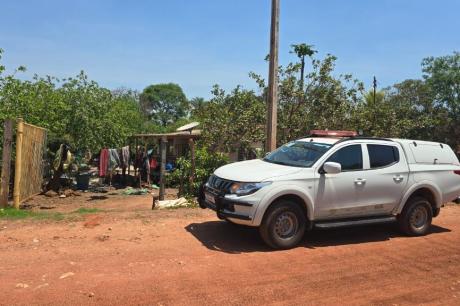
(242, 189)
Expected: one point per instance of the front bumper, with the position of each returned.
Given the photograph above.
(225, 208)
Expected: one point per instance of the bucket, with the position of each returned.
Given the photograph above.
(83, 181)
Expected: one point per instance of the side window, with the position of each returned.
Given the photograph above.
(382, 155)
(351, 158)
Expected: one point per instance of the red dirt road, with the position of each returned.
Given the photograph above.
(135, 256)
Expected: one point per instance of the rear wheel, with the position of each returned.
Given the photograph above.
(283, 225)
(415, 219)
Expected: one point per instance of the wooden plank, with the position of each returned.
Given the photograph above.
(18, 164)
(6, 162)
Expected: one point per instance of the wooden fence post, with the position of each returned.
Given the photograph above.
(18, 164)
(6, 162)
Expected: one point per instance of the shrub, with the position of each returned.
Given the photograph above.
(205, 164)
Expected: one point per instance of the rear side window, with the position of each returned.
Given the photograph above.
(382, 155)
(350, 158)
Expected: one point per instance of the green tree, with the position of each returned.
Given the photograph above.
(442, 75)
(74, 110)
(164, 103)
(326, 101)
(234, 120)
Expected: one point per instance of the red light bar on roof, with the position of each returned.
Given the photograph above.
(327, 133)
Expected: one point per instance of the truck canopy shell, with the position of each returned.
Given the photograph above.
(427, 152)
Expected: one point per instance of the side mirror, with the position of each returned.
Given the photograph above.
(332, 168)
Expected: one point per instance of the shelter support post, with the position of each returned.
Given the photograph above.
(18, 164)
(6, 162)
(163, 145)
(192, 157)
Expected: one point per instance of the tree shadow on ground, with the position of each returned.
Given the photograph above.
(234, 239)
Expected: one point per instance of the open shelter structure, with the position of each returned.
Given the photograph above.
(171, 146)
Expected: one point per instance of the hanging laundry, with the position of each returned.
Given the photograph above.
(138, 162)
(153, 163)
(114, 159)
(103, 162)
(125, 157)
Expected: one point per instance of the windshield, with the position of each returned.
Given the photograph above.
(298, 153)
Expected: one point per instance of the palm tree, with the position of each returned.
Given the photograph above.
(302, 50)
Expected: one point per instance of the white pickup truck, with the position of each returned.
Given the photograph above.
(332, 181)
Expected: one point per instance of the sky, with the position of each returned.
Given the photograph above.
(198, 43)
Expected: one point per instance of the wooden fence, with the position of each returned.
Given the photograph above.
(30, 149)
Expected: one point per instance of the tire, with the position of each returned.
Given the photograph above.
(283, 226)
(415, 219)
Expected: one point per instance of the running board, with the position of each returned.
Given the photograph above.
(334, 224)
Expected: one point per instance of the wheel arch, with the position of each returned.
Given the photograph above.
(297, 196)
(425, 190)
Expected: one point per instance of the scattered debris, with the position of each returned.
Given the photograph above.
(103, 237)
(91, 294)
(62, 196)
(51, 193)
(70, 193)
(41, 286)
(98, 190)
(181, 202)
(27, 206)
(66, 275)
(22, 285)
(135, 191)
(35, 240)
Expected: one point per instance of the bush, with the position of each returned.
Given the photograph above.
(205, 164)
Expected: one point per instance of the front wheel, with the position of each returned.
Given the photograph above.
(415, 219)
(283, 225)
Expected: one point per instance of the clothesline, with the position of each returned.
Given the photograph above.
(110, 159)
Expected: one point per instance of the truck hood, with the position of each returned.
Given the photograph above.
(255, 170)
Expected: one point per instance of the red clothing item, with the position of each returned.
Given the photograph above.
(153, 163)
(103, 162)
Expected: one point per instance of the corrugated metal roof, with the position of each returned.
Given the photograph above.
(193, 134)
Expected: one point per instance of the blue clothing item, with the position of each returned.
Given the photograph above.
(169, 166)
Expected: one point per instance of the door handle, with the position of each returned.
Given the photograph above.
(360, 181)
(398, 178)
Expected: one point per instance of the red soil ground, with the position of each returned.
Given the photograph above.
(128, 254)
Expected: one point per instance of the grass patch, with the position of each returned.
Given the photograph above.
(16, 214)
(84, 210)
(11, 213)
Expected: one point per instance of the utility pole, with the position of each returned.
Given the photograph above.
(272, 100)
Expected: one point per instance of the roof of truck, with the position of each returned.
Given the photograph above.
(333, 140)
(328, 140)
